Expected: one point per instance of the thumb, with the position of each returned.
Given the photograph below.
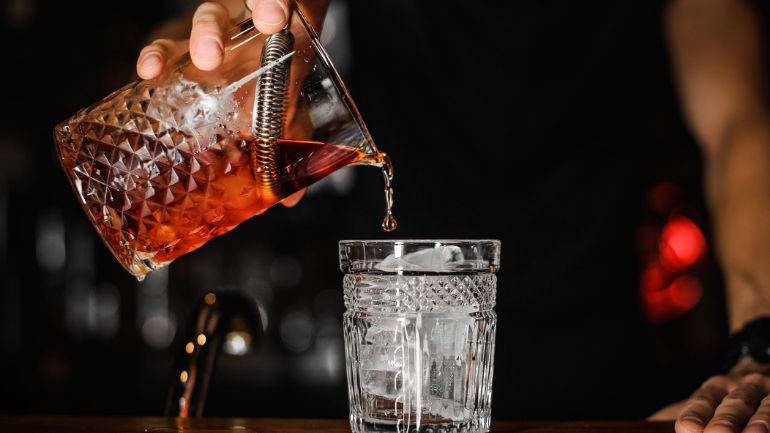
(269, 16)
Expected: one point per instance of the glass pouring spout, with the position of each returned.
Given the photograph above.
(161, 166)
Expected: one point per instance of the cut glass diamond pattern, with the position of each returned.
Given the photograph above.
(423, 293)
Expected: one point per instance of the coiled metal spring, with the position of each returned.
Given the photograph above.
(270, 106)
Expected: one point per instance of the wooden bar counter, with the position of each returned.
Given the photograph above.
(45, 424)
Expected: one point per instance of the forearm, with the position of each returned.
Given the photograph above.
(716, 50)
(739, 175)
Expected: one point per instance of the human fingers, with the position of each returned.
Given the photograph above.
(739, 405)
(269, 16)
(293, 199)
(209, 24)
(153, 57)
(760, 421)
(700, 407)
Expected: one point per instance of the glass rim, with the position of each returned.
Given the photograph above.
(448, 242)
(393, 255)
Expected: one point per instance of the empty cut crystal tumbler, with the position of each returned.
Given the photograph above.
(420, 334)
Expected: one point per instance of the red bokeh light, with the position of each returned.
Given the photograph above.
(669, 288)
(668, 302)
(685, 293)
(682, 244)
(654, 278)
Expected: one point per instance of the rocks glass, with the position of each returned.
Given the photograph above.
(420, 333)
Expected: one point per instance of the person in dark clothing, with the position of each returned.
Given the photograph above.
(534, 116)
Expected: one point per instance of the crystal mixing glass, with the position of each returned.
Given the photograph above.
(420, 334)
(161, 166)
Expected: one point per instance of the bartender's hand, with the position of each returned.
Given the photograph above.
(738, 402)
(209, 23)
(206, 44)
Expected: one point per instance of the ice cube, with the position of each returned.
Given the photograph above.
(435, 259)
(382, 383)
(383, 331)
(449, 336)
(381, 358)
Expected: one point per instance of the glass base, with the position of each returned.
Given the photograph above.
(360, 425)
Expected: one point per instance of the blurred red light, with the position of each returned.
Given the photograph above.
(674, 300)
(682, 244)
(685, 293)
(667, 291)
(654, 278)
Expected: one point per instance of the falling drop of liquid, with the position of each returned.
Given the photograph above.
(389, 223)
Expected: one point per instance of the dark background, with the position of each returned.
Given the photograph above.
(78, 335)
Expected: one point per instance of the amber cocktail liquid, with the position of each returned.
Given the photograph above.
(155, 199)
